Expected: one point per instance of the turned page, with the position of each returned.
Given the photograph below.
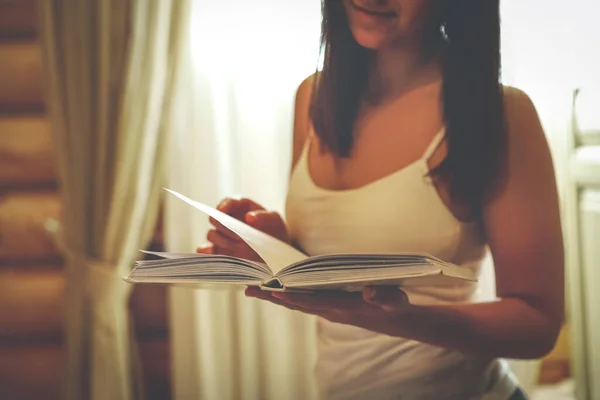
(276, 254)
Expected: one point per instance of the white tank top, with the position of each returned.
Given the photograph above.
(401, 212)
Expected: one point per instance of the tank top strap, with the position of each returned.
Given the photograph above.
(434, 144)
(303, 157)
(308, 141)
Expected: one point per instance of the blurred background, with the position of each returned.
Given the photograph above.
(109, 100)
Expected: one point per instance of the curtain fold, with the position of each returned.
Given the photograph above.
(109, 70)
(231, 134)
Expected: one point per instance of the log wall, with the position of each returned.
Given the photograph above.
(31, 270)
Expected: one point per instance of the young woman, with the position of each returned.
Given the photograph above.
(407, 142)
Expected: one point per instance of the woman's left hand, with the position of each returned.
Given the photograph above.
(375, 308)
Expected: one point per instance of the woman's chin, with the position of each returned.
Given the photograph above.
(370, 40)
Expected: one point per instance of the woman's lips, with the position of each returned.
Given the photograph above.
(374, 12)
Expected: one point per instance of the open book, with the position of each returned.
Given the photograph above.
(287, 269)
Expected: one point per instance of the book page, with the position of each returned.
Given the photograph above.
(276, 254)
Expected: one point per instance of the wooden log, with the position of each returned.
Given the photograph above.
(21, 77)
(35, 372)
(31, 372)
(32, 306)
(23, 235)
(18, 19)
(26, 153)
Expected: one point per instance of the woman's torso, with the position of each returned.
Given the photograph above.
(382, 200)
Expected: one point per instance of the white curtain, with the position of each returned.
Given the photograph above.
(550, 48)
(108, 69)
(231, 134)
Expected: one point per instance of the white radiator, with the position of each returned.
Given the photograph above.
(582, 238)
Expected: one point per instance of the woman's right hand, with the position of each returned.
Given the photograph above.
(223, 241)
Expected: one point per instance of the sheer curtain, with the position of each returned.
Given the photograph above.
(108, 72)
(550, 47)
(231, 134)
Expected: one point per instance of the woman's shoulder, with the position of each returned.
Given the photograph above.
(517, 103)
(304, 91)
(527, 143)
(523, 123)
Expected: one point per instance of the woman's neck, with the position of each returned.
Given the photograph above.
(396, 70)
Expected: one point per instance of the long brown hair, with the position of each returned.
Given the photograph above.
(468, 33)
